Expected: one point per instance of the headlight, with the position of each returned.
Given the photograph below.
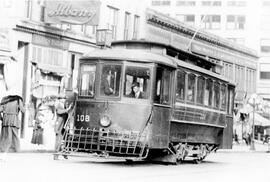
(105, 121)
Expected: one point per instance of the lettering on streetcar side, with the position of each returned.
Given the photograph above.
(83, 118)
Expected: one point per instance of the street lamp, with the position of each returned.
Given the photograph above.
(254, 101)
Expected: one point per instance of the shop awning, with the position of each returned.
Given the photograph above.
(259, 120)
(57, 70)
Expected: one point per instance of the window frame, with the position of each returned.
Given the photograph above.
(170, 88)
(80, 79)
(98, 87)
(194, 90)
(203, 89)
(149, 85)
(185, 85)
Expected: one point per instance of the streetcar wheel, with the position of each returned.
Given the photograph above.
(197, 161)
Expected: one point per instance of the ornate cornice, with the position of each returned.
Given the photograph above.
(178, 27)
(52, 32)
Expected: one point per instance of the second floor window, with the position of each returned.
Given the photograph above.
(236, 22)
(188, 19)
(136, 27)
(112, 21)
(185, 3)
(127, 26)
(211, 21)
(265, 46)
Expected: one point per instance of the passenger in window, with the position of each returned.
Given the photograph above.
(106, 85)
(136, 92)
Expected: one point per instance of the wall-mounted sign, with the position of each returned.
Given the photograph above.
(72, 12)
(50, 42)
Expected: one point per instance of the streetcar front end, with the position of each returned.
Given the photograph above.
(110, 120)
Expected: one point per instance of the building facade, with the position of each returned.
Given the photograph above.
(39, 59)
(241, 21)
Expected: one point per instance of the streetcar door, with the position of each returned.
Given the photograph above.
(162, 105)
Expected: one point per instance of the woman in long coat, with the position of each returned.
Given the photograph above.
(10, 106)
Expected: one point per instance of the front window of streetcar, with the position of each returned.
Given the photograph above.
(137, 80)
(87, 80)
(110, 80)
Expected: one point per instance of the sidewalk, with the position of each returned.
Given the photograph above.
(242, 147)
(27, 146)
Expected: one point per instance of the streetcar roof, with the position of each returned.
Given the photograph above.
(130, 55)
(199, 69)
(137, 55)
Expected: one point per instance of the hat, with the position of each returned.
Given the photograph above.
(71, 96)
(135, 84)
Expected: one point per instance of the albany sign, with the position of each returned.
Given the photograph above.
(72, 12)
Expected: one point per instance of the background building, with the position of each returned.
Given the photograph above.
(38, 59)
(242, 21)
(41, 58)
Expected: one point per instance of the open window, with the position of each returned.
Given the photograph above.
(137, 82)
(162, 86)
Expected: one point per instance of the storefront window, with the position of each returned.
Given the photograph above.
(110, 80)
(87, 80)
(137, 80)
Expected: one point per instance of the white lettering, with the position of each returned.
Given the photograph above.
(68, 10)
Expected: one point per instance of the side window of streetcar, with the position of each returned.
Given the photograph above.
(223, 96)
(87, 80)
(110, 80)
(200, 89)
(137, 81)
(216, 95)
(191, 88)
(231, 100)
(208, 93)
(163, 83)
(181, 83)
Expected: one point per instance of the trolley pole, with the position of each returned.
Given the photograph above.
(252, 145)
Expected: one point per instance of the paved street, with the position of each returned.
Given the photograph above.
(222, 166)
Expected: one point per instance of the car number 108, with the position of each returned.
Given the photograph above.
(83, 117)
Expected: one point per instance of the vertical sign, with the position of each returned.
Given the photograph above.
(72, 12)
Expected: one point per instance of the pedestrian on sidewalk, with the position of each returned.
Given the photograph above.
(11, 105)
(62, 108)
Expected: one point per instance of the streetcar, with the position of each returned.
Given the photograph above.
(183, 109)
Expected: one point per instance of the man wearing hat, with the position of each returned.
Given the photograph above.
(136, 92)
(10, 106)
